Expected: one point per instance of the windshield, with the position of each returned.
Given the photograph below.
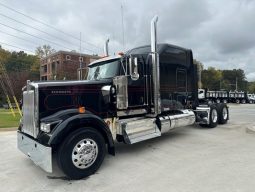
(102, 70)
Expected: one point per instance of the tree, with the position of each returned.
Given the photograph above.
(235, 77)
(44, 51)
(20, 67)
(224, 79)
(211, 78)
(251, 87)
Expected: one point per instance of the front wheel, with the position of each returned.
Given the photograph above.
(81, 153)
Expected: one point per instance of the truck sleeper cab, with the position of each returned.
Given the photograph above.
(127, 98)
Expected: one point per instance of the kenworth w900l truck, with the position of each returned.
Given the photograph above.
(127, 98)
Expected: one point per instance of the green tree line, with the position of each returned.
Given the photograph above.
(216, 79)
(19, 66)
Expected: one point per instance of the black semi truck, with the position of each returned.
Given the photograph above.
(127, 98)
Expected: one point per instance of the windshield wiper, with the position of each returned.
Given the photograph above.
(97, 72)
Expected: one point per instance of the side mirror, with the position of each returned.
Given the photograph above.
(133, 66)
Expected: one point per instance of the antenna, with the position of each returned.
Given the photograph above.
(80, 71)
(122, 23)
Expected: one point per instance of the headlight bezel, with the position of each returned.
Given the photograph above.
(45, 127)
(48, 126)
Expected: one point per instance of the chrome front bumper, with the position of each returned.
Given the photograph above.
(41, 155)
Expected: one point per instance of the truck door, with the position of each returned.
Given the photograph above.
(181, 84)
(137, 86)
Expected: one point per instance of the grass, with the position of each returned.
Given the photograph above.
(7, 119)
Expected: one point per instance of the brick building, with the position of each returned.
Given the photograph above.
(63, 65)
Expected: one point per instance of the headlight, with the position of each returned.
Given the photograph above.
(45, 127)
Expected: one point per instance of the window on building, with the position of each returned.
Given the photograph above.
(68, 57)
(45, 68)
(81, 59)
(53, 67)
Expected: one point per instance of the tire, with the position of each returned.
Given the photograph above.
(237, 101)
(250, 102)
(225, 101)
(84, 141)
(212, 118)
(243, 101)
(218, 101)
(223, 114)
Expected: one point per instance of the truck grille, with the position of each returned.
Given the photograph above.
(28, 108)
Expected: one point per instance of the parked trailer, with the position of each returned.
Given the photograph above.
(213, 96)
(225, 96)
(251, 98)
(238, 97)
(128, 98)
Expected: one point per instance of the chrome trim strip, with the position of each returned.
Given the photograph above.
(131, 112)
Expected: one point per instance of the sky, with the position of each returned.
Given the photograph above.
(221, 34)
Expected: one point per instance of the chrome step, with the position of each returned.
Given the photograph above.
(136, 139)
(136, 130)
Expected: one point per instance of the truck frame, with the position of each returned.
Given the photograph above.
(128, 98)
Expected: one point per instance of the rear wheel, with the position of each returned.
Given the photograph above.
(225, 101)
(81, 153)
(218, 101)
(213, 118)
(237, 101)
(223, 114)
(243, 101)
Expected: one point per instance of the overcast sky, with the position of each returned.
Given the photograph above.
(220, 33)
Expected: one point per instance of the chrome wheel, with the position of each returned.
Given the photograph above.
(84, 153)
(214, 115)
(224, 113)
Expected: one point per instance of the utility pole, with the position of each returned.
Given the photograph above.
(236, 83)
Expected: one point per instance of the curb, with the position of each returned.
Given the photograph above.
(9, 129)
(250, 129)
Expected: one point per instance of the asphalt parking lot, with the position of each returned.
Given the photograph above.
(186, 159)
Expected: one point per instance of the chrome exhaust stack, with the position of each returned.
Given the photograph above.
(106, 48)
(155, 66)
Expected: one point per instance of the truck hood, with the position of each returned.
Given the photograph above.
(54, 96)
